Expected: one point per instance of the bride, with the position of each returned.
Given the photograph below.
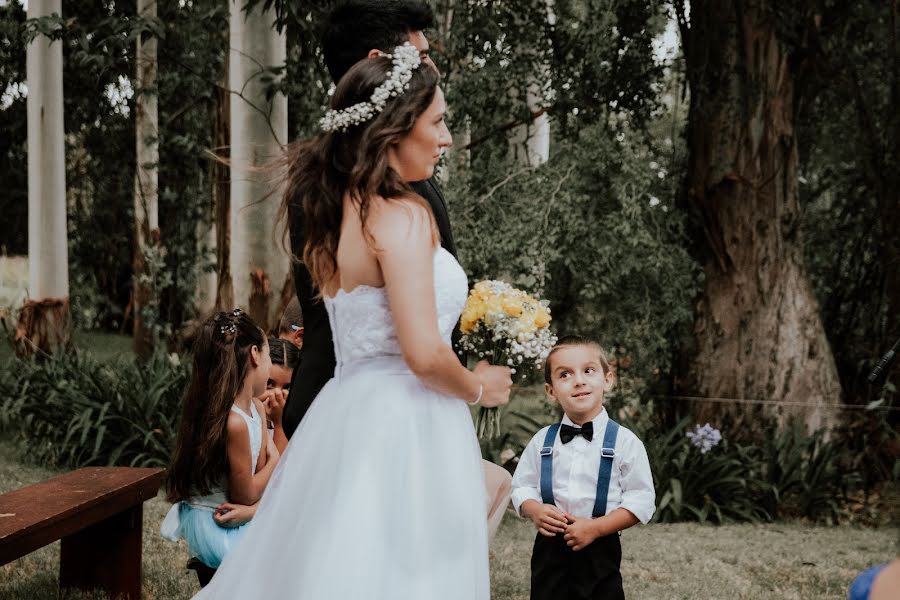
(380, 495)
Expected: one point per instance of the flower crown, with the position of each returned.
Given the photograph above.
(405, 59)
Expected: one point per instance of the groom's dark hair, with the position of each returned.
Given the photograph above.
(354, 27)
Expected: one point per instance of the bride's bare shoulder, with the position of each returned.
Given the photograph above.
(391, 217)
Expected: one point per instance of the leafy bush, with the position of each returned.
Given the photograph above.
(720, 485)
(788, 473)
(804, 475)
(71, 411)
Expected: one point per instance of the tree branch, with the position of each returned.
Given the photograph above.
(506, 127)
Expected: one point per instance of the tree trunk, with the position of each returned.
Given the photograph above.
(146, 186)
(45, 323)
(757, 332)
(217, 285)
(258, 263)
(530, 142)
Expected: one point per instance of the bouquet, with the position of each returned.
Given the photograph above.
(506, 327)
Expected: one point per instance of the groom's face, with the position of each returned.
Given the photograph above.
(420, 42)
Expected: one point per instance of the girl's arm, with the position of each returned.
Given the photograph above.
(245, 487)
(405, 249)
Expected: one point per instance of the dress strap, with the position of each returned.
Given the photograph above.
(607, 454)
(254, 427)
(547, 464)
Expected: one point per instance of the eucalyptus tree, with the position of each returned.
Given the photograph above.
(259, 265)
(757, 331)
(147, 239)
(45, 320)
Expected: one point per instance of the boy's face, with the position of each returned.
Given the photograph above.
(577, 382)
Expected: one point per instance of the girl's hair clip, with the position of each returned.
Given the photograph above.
(237, 312)
(228, 329)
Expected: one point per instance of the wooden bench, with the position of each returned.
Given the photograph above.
(97, 512)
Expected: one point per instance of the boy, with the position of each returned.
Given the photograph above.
(583, 489)
(290, 327)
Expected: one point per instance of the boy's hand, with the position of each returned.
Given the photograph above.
(581, 532)
(547, 518)
(274, 400)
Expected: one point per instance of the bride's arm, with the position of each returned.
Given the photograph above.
(403, 236)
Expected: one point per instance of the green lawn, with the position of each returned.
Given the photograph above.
(104, 346)
(686, 561)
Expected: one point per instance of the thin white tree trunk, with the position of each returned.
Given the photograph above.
(530, 142)
(259, 265)
(146, 180)
(45, 322)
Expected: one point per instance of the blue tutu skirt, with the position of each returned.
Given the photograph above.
(206, 539)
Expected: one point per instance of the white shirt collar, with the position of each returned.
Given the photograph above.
(599, 421)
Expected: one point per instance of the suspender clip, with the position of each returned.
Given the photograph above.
(608, 452)
(547, 451)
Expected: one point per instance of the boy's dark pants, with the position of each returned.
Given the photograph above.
(560, 573)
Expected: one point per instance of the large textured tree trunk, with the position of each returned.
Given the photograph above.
(258, 264)
(45, 322)
(146, 185)
(757, 332)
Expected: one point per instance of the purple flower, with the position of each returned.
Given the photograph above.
(706, 437)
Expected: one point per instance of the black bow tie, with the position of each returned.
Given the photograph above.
(567, 432)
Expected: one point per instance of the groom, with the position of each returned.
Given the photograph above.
(357, 29)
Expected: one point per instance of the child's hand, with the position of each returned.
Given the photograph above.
(274, 400)
(581, 532)
(233, 515)
(548, 519)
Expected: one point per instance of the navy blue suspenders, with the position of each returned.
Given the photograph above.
(547, 464)
(607, 453)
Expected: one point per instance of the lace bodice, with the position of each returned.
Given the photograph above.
(361, 320)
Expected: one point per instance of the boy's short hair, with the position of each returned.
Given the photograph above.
(575, 340)
(292, 315)
(355, 27)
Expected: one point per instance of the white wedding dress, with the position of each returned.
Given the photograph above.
(380, 493)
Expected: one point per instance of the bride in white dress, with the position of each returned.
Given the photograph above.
(380, 494)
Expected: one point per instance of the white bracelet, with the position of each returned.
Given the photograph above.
(480, 393)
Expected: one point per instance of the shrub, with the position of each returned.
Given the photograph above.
(70, 410)
(718, 486)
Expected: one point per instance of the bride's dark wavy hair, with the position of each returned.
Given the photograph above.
(323, 169)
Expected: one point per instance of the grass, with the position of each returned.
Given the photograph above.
(685, 560)
(104, 346)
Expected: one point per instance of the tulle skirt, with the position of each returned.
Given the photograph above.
(379, 495)
(205, 539)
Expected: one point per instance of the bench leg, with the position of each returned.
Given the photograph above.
(106, 556)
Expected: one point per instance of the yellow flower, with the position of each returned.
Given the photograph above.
(542, 317)
(512, 306)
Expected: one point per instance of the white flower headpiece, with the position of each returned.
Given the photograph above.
(405, 59)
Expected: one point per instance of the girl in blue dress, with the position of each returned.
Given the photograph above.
(222, 453)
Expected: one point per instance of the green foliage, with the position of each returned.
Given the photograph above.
(594, 231)
(70, 410)
(719, 486)
(788, 473)
(804, 474)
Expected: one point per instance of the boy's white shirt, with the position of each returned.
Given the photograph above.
(576, 466)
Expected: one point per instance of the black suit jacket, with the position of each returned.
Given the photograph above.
(317, 359)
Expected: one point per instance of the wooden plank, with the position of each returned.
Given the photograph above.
(39, 514)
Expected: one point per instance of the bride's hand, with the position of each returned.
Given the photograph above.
(496, 381)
